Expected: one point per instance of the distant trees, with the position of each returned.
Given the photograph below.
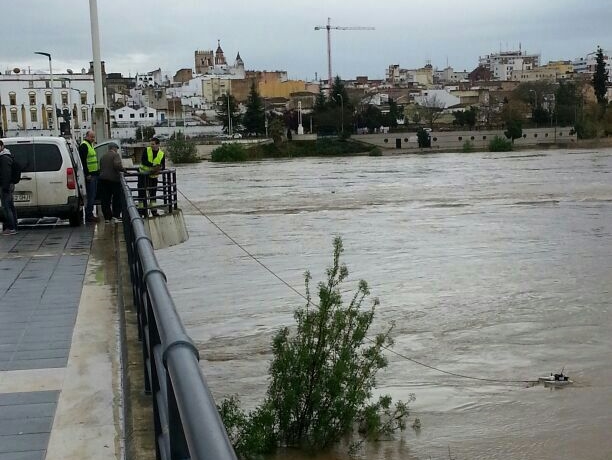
(332, 113)
(466, 117)
(600, 78)
(145, 133)
(254, 119)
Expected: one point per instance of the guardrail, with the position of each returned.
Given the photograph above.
(152, 195)
(187, 424)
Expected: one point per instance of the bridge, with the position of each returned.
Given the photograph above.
(94, 360)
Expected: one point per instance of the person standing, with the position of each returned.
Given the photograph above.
(153, 160)
(91, 168)
(109, 184)
(6, 184)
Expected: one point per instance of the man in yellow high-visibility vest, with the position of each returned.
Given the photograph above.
(152, 162)
(91, 168)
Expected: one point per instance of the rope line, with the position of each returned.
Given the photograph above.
(401, 355)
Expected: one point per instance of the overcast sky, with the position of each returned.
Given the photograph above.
(139, 36)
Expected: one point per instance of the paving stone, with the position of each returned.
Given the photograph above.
(31, 397)
(24, 442)
(25, 364)
(31, 455)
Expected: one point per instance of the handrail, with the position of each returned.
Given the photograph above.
(187, 423)
(152, 195)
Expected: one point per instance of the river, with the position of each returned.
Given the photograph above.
(496, 266)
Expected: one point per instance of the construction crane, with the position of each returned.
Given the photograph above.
(329, 27)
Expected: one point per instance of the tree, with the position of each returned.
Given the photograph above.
(147, 133)
(600, 78)
(276, 130)
(514, 129)
(432, 109)
(181, 149)
(568, 103)
(466, 117)
(138, 134)
(254, 120)
(371, 117)
(322, 377)
(222, 113)
(393, 115)
(423, 138)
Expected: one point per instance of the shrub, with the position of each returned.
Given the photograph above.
(375, 152)
(499, 144)
(321, 377)
(229, 152)
(423, 138)
(182, 150)
(468, 147)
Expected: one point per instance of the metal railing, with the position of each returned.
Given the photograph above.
(152, 195)
(187, 424)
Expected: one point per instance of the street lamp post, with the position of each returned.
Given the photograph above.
(53, 112)
(341, 111)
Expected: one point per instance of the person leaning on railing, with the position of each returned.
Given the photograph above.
(152, 162)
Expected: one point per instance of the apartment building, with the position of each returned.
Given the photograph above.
(502, 64)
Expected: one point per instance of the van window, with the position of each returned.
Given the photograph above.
(24, 155)
(48, 157)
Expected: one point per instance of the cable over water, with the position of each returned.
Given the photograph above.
(401, 355)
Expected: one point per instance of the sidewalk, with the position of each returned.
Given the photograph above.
(59, 361)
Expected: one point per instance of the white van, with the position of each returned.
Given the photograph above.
(52, 182)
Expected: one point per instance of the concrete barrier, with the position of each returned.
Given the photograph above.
(167, 230)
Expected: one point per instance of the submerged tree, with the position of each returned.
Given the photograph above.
(254, 121)
(321, 377)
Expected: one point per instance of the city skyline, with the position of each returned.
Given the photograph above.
(272, 36)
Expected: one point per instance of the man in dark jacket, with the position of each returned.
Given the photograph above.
(91, 168)
(7, 186)
(109, 185)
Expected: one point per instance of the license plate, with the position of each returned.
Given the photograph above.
(21, 197)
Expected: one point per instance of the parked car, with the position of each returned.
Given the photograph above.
(52, 181)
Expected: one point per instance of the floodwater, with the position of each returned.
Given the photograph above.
(496, 266)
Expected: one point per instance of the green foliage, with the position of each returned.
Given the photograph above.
(600, 78)
(423, 138)
(370, 117)
(468, 147)
(514, 129)
(330, 114)
(181, 149)
(499, 144)
(375, 152)
(321, 377)
(568, 103)
(138, 134)
(393, 115)
(276, 130)
(229, 152)
(148, 132)
(466, 117)
(254, 118)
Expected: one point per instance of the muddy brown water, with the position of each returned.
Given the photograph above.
(492, 265)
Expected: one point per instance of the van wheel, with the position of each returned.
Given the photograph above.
(76, 219)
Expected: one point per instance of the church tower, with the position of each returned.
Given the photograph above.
(219, 57)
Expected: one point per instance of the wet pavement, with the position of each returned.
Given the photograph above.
(492, 265)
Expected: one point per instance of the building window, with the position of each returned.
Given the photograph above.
(84, 114)
(33, 115)
(131, 115)
(120, 115)
(48, 98)
(31, 84)
(64, 97)
(142, 115)
(12, 99)
(32, 98)
(63, 83)
(14, 116)
(83, 97)
(150, 115)
(47, 85)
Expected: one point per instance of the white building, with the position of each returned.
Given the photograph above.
(587, 63)
(154, 78)
(504, 63)
(398, 76)
(26, 102)
(448, 75)
(143, 116)
(439, 98)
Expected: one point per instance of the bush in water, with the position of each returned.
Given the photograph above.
(499, 144)
(229, 152)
